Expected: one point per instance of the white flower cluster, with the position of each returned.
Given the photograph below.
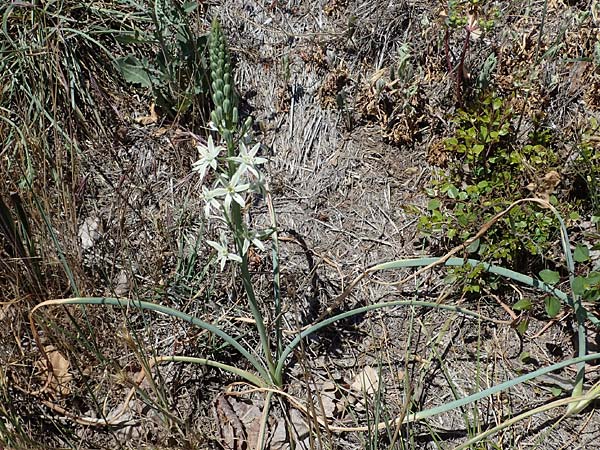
(246, 179)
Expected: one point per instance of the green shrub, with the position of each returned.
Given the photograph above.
(488, 169)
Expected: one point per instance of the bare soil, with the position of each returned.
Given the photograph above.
(350, 154)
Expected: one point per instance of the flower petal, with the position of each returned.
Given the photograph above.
(234, 257)
(239, 199)
(258, 244)
(214, 245)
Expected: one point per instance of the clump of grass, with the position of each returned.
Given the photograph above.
(60, 94)
(63, 66)
(177, 73)
(55, 70)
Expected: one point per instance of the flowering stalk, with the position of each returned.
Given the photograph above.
(225, 114)
(237, 176)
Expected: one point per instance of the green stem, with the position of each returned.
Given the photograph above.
(276, 274)
(264, 421)
(259, 321)
(516, 276)
(498, 388)
(277, 288)
(238, 231)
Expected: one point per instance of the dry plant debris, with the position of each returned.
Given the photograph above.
(57, 369)
(352, 102)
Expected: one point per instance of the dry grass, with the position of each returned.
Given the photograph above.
(112, 210)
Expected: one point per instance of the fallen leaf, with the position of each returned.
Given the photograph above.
(329, 399)
(60, 378)
(89, 232)
(148, 120)
(281, 439)
(3, 311)
(160, 131)
(300, 429)
(367, 381)
(121, 287)
(238, 423)
(544, 187)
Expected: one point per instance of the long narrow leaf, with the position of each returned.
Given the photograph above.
(292, 345)
(126, 303)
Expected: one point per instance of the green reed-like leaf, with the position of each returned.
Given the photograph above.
(127, 303)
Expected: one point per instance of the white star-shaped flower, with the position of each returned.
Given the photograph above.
(248, 160)
(210, 201)
(209, 155)
(232, 187)
(254, 239)
(223, 253)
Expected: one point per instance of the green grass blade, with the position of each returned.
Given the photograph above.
(257, 381)
(497, 270)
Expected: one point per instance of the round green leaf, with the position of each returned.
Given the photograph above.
(578, 285)
(550, 277)
(522, 327)
(434, 203)
(552, 306)
(473, 246)
(453, 192)
(134, 71)
(581, 253)
(524, 304)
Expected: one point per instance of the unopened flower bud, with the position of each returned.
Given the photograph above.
(218, 98)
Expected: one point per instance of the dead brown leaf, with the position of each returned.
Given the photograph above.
(238, 423)
(366, 381)
(328, 398)
(60, 378)
(148, 120)
(545, 186)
